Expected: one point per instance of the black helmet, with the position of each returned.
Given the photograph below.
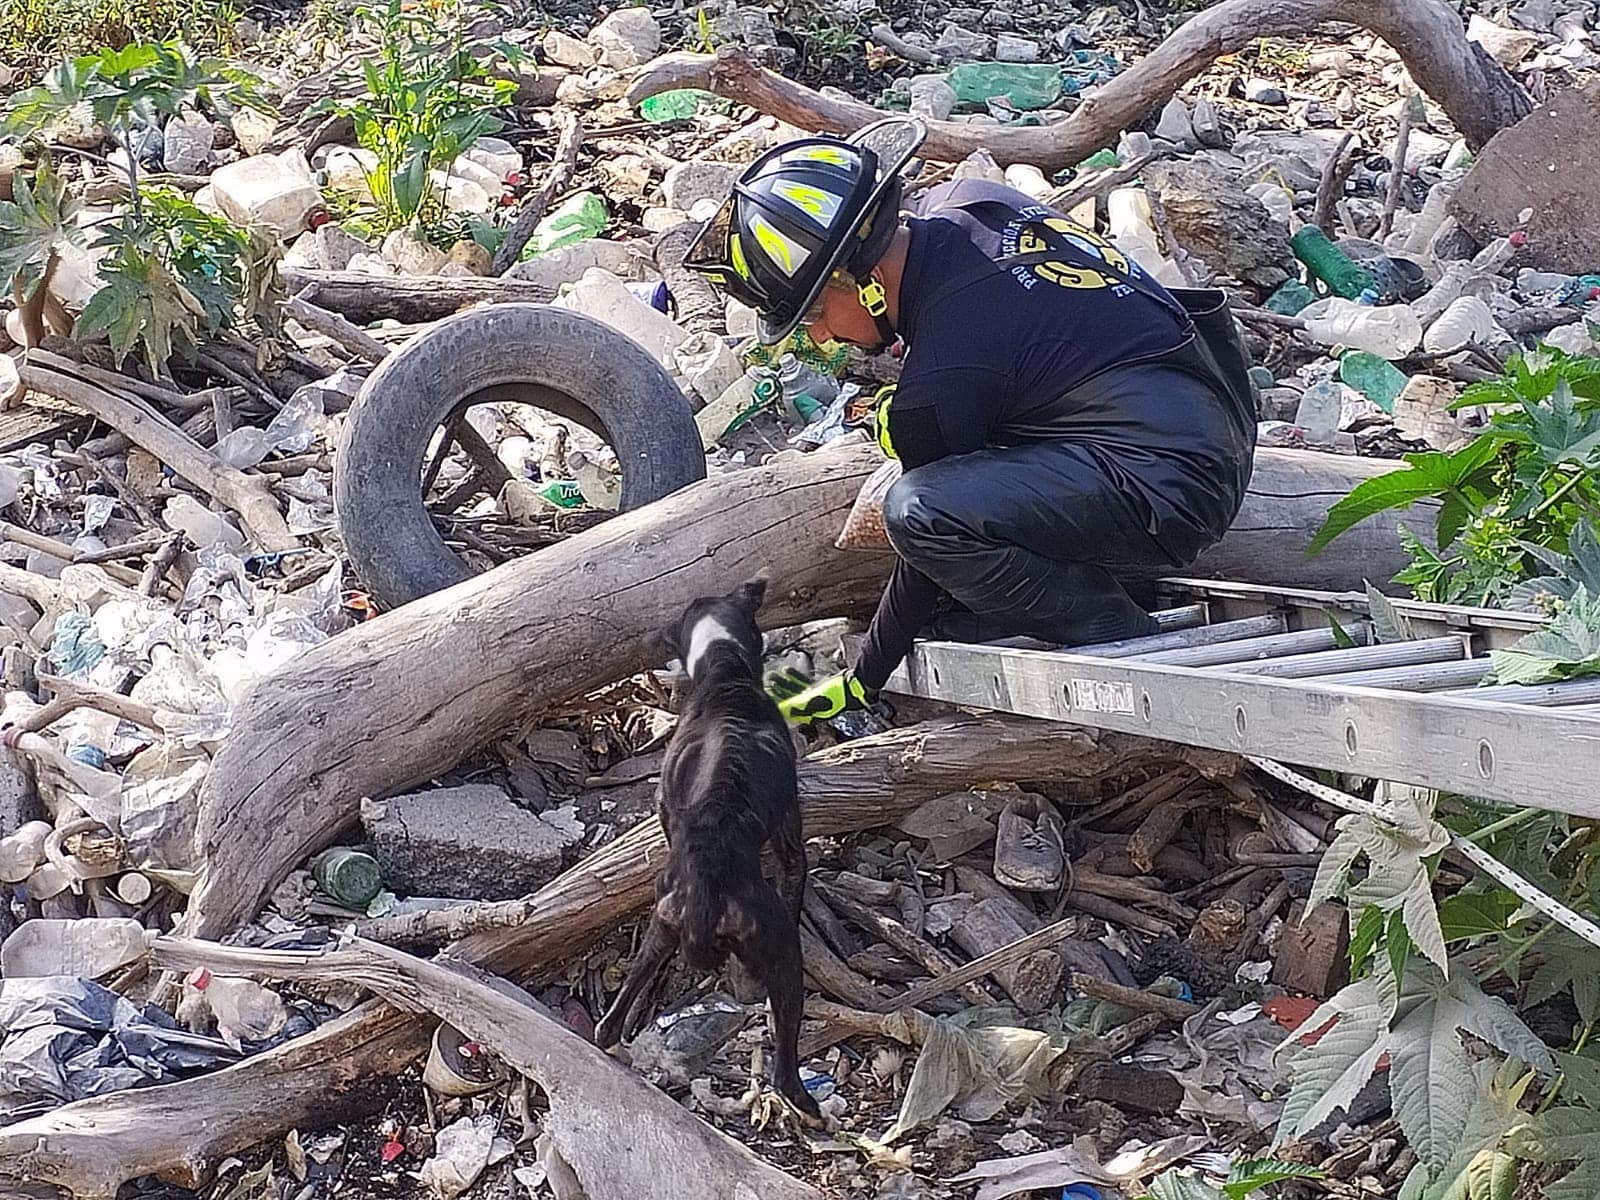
(802, 211)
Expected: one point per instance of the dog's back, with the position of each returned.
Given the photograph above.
(727, 783)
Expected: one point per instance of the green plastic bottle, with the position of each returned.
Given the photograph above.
(1290, 298)
(1378, 379)
(348, 875)
(563, 493)
(1025, 85)
(1341, 274)
(677, 105)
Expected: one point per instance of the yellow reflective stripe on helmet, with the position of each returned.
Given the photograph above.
(823, 154)
(812, 201)
(736, 256)
(789, 256)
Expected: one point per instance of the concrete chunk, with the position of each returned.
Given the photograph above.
(470, 842)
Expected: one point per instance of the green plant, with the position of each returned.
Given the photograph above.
(427, 97)
(1510, 500)
(1245, 1178)
(36, 33)
(170, 271)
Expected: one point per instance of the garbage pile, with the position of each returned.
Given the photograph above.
(170, 539)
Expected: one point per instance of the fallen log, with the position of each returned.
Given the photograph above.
(1474, 90)
(90, 1147)
(409, 299)
(620, 1135)
(346, 718)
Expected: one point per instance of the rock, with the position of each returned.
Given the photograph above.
(77, 128)
(1507, 46)
(566, 264)
(472, 258)
(956, 44)
(1549, 163)
(1422, 413)
(470, 842)
(567, 51)
(411, 257)
(628, 38)
(1214, 218)
(186, 143)
(1131, 1088)
(1175, 124)
(1278, 404)
(696, 180)
(1311, 954)
(1207, 125)
(659, 220)
(932, 97)
(334, 247)
(1264, 91)
(1010, 48)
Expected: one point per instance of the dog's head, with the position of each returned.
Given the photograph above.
(715, 621)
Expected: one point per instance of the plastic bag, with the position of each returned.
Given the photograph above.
(863, 528)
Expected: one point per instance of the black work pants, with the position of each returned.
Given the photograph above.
(1025, 540)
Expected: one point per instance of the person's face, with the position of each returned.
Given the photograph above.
(838, 316)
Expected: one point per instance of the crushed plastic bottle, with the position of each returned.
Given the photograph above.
(1378, 379)
(1291, 298)
(274, 191)
(1321, 406)
(602, 295)
(22, 851)
(599, 487)
(1024, 85)
(1467, 320)
(243, 1010)
(576, 218)
(202, 526)
(563, 493)
(86, 948)
(1341, 274)
(1390, 332)
(799, 380)
(497, 156)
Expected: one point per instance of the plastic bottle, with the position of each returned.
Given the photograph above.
(1291, 298)
(1275, 200)
(348, 875)
(1434, 211)
(1390, 332)
(496, 154)
(1493, 258)
(599, 487)
(202, 526)
(1024, 85)
(1342, 275)
(271, 190)
(602, 295)
(1321, 408)
(574, 219)
(22, 851)
(242, 1008)
(1376, 378)
(87, 948)
(798, 380)
(1028, 179)
(1468, 319)
(563, 493)
(679, 104)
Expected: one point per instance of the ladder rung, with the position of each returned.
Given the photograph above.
(1424, 677)
(1185, 617)
(1361, 658)
(1543, 695)
(1169, 619)
(1278, 645)
(1178, 639)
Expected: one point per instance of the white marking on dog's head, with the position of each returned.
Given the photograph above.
(707, 631)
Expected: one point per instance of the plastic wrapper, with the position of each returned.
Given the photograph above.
(863, 528)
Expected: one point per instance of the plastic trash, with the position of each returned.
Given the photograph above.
(578, 217)
(602, 295)
(1341, 274)
(736, 401)
(1024, 85)
(22, 851)
(824, 425)
(186, 143)
(270, 190)
(1581, 290)
(563, 493)
(348, 875)
(1291, 298)
(1390, 332)
(1275, 200)
(1028, 179)
(1320, 410)
(1467, 320)
(75, 646)
(462, 1151)
(1376, 378)
(599, 487)
(654, 293)
(496, 155)
(1395, 279)
(202, 526)
(458, 1066)
(681, 1043)
(1133, 232)
(799, 380)
(679, 104)
(243, 1010)
(84, 949)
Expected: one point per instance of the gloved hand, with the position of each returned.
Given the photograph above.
(881, 404)
(822, 700)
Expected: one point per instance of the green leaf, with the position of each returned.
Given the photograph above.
(1559, 1135)
(1397, 489)
(1327, 1075)
(141, 302)
(39, 221)
(1583, 1078)
(1492, 1175)
(1365, 936)
(1389, 624)
(1569, 961)
(1580, 1183)
(1567, 648)
(1180, 1183)
(1256, 1173)
(1476, 914)
(1500, 1089)
(1398, 941)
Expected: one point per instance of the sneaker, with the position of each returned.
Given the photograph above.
(1029, 846)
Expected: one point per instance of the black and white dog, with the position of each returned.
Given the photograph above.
(727, 789)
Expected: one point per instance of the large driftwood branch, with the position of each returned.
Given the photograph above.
(621, 1136)
(397, 700)
(90, 1147)
(409, 299)
(248, 495)
(1474, 90)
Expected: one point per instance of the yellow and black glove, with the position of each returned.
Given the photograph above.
(821, 701)
(880, 404)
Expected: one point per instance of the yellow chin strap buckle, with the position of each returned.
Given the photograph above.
(873, 298)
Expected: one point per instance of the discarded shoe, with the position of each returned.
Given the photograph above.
(1029, 853)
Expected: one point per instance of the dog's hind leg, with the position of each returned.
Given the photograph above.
(773, 954)
(627, 1011)
(788, 847)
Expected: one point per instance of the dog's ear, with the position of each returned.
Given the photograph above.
(752, 593)
(662, 644)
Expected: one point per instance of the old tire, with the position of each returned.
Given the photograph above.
(560, 361)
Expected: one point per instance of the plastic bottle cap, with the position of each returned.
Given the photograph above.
(200, 978)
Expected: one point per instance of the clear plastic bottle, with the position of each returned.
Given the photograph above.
(87, 948)
(22, 851)
(1468, 319)
(798, 380)
(271, 190)
(243, 1010)
(1391, 331)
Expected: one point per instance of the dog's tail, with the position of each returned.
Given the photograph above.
(702, 915)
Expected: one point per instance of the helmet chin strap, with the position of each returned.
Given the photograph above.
(875, 300)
